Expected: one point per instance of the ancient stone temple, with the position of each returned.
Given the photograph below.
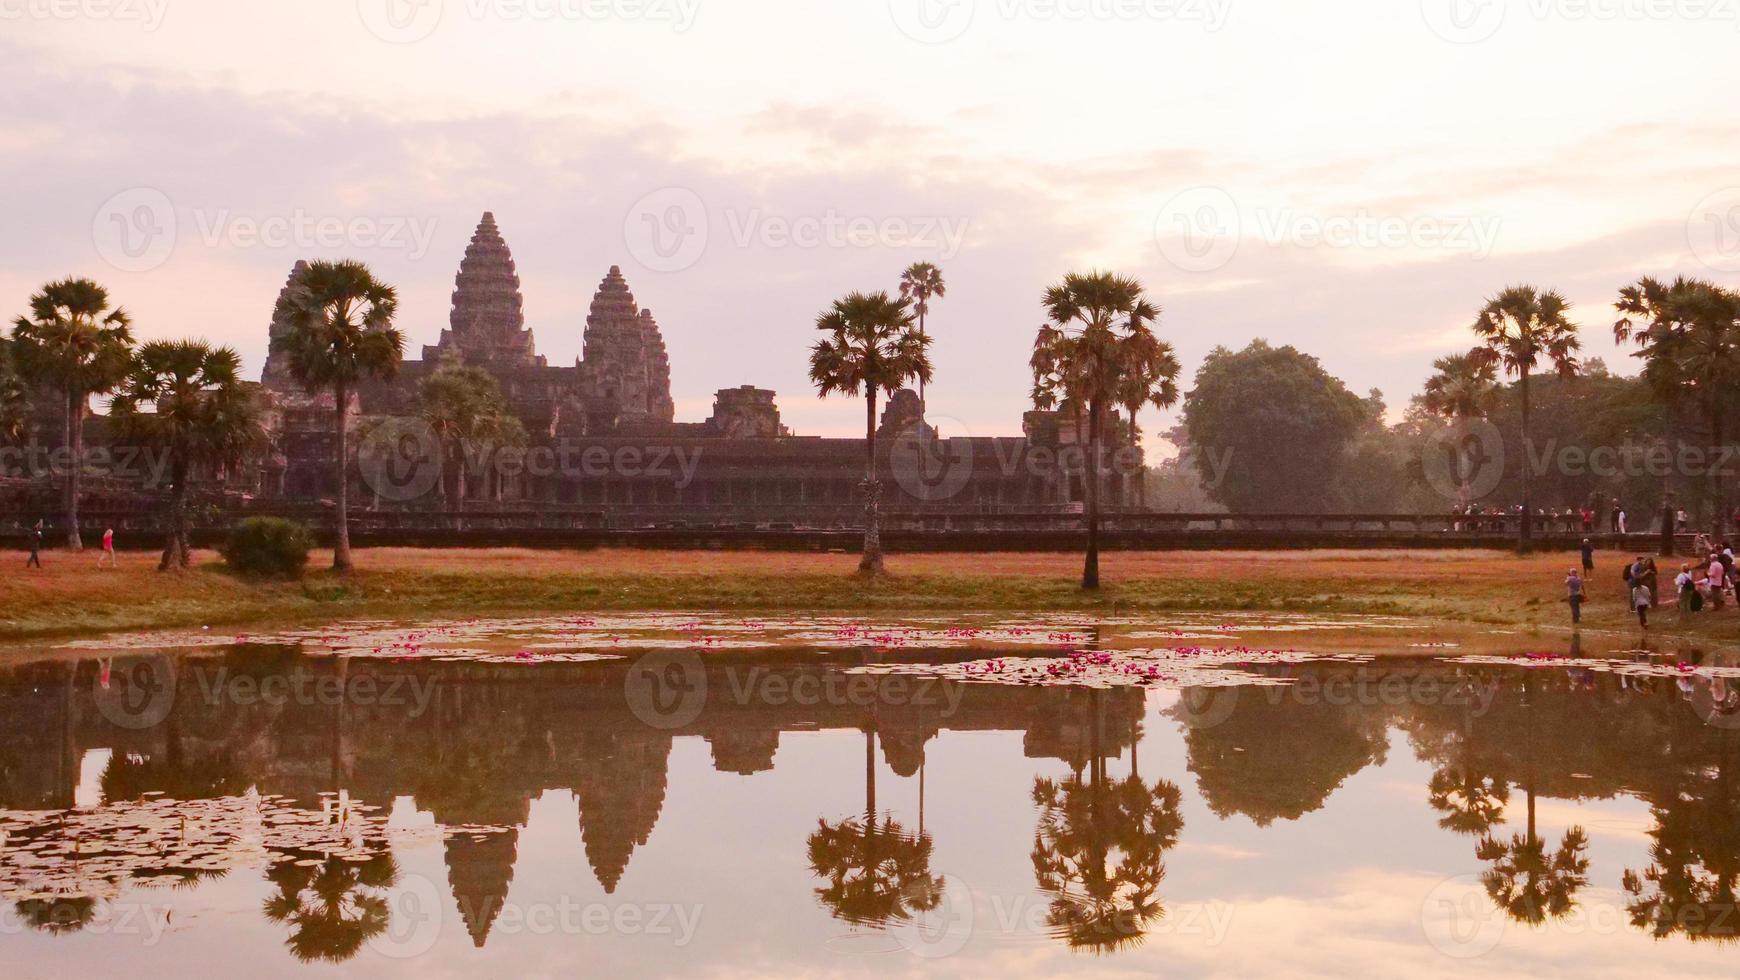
(740, 465)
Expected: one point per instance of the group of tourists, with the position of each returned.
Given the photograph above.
(1569, 519)
(1706, 581)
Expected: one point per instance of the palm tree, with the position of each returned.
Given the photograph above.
(187, 398)
(919, 283)
(14, 400)
(75, 342)
(1462, 389)
(333, 905)
(1519, 329)
(1099, 851)
(875, 871)
(871, 348)
(1527, 883)
(1150, 377)
(341, 333)
(1689, 341)
(1471, 799)
(1099, 329)
(464, 408)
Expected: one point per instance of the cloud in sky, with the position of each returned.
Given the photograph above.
(1355, 182)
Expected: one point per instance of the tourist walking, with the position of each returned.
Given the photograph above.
(107, 556)
(1687, 587)
(1588, 550)
(1574, 596)
(35, 547)
(1640, 601)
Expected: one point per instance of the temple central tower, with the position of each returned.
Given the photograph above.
(488, 322)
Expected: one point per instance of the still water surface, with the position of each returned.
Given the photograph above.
(677, 794)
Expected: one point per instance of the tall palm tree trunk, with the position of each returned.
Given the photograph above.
(1667, 490)
(1090, 573)
(870, 776)
(341, 549)
(75, 441)
(175, 549)
(871, 563)
(1719, 492)
(1528, 514)
(921, 406)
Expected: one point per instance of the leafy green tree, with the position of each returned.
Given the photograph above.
(1688, 336)
(465, 409)
(1463, 388)
(187, 399)
(1097, 350)
(871, 347)
(341, 333)
(919, 284)
(73, 341)
(1279, 425)
(14, 399)
(1521, 330)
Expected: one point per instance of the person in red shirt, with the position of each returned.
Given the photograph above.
(108, 553)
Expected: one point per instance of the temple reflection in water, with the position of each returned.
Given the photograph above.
(302, 792)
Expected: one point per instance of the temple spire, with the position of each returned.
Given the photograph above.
(488, 322)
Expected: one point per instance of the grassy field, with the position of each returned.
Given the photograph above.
(73, 596)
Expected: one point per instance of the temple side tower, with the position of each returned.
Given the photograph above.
(277, 373)
(625, 370)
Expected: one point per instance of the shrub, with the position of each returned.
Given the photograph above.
(268, 547)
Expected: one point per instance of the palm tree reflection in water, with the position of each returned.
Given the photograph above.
(1098, 851)
(333, 905)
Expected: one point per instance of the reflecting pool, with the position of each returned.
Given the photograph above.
(677, 794)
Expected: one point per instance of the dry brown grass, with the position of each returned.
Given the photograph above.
(72, 595)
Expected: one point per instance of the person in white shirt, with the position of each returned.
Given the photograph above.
(1622, 522)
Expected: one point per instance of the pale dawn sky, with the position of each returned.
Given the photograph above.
(1349, 177)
